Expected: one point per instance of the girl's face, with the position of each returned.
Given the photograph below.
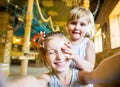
(55, 56)
(77, 28)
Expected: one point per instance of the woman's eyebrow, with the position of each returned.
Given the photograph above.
(50, 50)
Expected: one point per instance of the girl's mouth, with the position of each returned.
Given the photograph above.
(60, 63)
(76, 32)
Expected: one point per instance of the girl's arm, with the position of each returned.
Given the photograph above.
(90, 56)
(3, 82)
(108, 71)
(29, 81)
(88, 63)
(84, 64)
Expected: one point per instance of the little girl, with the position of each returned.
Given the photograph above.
(80, 28)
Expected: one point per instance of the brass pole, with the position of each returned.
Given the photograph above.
(26, 47)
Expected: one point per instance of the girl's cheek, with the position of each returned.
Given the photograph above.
(83, 32)
(71, 26)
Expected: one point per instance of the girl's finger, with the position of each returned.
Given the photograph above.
(68, 44)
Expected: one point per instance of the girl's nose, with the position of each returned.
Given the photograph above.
(77, 26)
(60, 55)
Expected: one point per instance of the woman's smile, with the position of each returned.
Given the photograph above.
(60, 64)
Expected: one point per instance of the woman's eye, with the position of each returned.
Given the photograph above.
(51, 52)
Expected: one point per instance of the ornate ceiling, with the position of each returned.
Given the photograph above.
(57, 9)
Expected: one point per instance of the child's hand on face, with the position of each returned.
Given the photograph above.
(67, 49)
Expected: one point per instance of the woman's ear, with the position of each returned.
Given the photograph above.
(46, 60)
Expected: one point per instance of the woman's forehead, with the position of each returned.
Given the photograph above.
(56, 42)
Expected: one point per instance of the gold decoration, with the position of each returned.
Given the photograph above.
(86, 4)
(46, 20)
(52, 13)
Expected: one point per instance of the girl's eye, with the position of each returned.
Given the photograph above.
(73, 23)
(83, 24)
(51, 52)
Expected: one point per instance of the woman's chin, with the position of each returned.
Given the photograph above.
(62, 68)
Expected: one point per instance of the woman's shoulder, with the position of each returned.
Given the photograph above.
(44, 78)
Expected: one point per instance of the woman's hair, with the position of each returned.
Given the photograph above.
(79, 12)
(42, 50)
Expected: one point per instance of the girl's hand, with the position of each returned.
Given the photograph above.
(67, 49)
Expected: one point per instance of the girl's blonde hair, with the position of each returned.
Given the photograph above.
(42, 50)
(79, 12)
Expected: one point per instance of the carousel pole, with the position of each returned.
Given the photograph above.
(26, 45)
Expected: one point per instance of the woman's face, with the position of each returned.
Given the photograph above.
(77, 28)
(56, 58)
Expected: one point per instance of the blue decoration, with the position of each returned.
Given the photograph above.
(36, 26)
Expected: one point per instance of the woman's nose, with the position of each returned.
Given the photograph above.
(60, 55)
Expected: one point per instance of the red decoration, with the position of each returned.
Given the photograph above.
(38, 38)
